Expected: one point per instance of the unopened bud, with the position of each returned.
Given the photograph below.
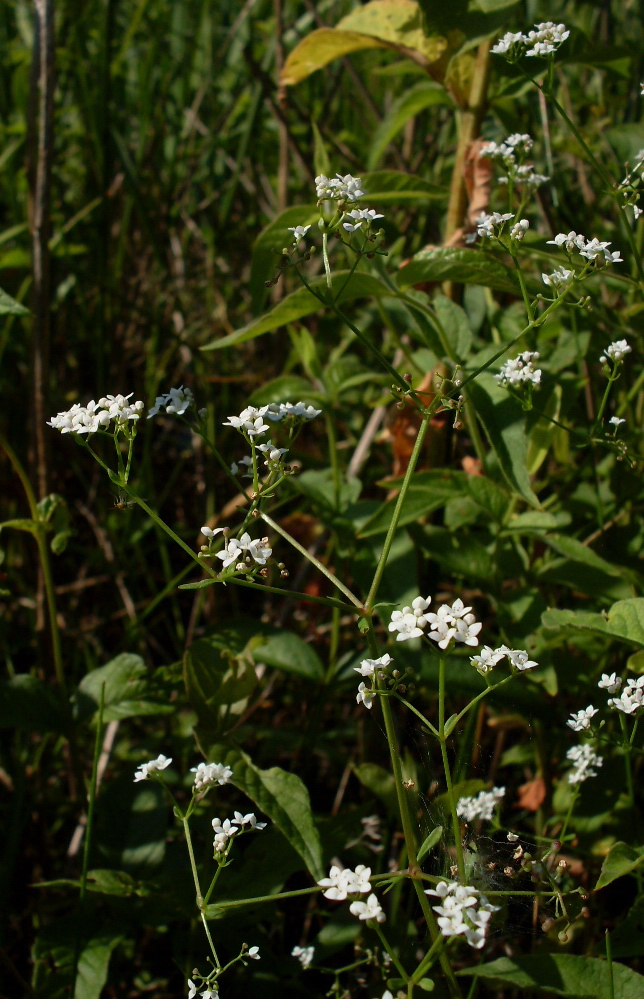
(407, 376)
(396, 673)
(563, 937)
(585, 912)
(547, 924)
(509, 872)
(284, 574)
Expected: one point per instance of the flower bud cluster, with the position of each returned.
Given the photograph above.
(463, 911)
(225, 831)
(97, 416)
(338, 188)
(520, 369)
(616, 352)
(449, 622)
(592, 249)
(480, 806)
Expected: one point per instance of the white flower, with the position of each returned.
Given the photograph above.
(571, 241)
(249, 422)
(406, 624)
(481, 806)
(97, 416)
(547, 38)
(368, 667)
(339, 188)
(368, 910)
(464, 912)
(208, 532)
(299, 232)
(585, 759)
(176, 402)
(520, 369)
(304, 955)
(343, 882)
(610, 683)
(259, 549)
(631, 698)
(510, 39)
(512, 837)
(253, 954)
(145, 769)
(441, 624)
(248, 820)
(224, 832)
(210, 993)
(558, 277)
(581, 720)
(210, 773)
(486, 659)
(519, 230)
(466, 630)
(360, 215)
(519, 658)
(616, 351)
(365, 695)
(247, 461)
(192, 989)
(616, 420)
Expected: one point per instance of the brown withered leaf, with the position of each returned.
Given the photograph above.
(532, 794)
(402, 429)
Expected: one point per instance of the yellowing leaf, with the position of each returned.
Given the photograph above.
(320, 48)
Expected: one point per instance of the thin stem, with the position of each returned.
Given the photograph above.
(393, 526)
(325, 256)
(193, 865)
(168, 530)
(426, 962)
(389, 949)
(456, 825)
(210, 940)
(571, 809)
(333, 457)
(312, 559)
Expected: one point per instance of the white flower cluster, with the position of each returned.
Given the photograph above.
(449, 622)
(591, 249)
(510, 155)
(487, 658)
(371, 909)
(175, 402)
(338, 188)
(210, 773)
(631, 698)
(369, 667)
(343, 881)
(585, 759)
(257, 551)
(145, 769)
(559, 277)
(224, 831)
(580, 720)
(304, 955)
(488, 225)
(520, 369)
(616, 352)
(464, 911)
(210, 992)
(543, 40)
(98, 415)
(273, 462)
(250, 421)
(360, 215)
(480, 806)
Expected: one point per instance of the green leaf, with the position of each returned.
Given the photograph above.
(621, 859)
(93, 965)
(543, 432)
(456, 327)
(624, 621)
(302, 303)
(396, 186)
(430, 842)
(268, 246)
(292, 654)
(284, 798)
(562, 974)
(127, 691)
(425, 94)
(28, 703)
(10, 307)
(22, 524)
(428, 491)
(321, 161)
(380, 782)
(489, 6)
(459, 553)
(218, 681)
(574, 549)
(464, 266)
(318, 484)
(489, 496)
(531, 521)
(504, 424)
(627, 939)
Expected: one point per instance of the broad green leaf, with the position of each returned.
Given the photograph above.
(10, 307)
(574, 549)
(459, 553)
(218, 681)
(93, 965)
(489, 496)
(318, 485)
(143, 849)
(627, 939)
(22, 524)
(285, 800)
(456, 327)
(292, 654)
(428, 491)
(127, 691)
(562, 974)
(381, 23)
(268, 246)
(425, 94)
(620, 860)
(268, 862)
(624, 621)
(626, 140)
(489, 6)
(28, 703)
(455, 263)
(504, 424)
(321, 161)
(542, 433)
(430, 842)
(396, 186)
(302, 303)
(380, 782)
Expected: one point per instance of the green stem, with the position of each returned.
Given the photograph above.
(385, 943)
(426, 962)
(609, 964)
(193, 865)
(393, 526)
(312, 559)
(571, 809)
(325, 256)
(168, 530)
(280, 591)
(456, 825)
(333, 457)
(210, 940)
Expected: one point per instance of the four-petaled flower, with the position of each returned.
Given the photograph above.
(145, 769)
(370, 909)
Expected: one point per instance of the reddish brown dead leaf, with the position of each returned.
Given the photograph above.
(532, 794)
(472, 465)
